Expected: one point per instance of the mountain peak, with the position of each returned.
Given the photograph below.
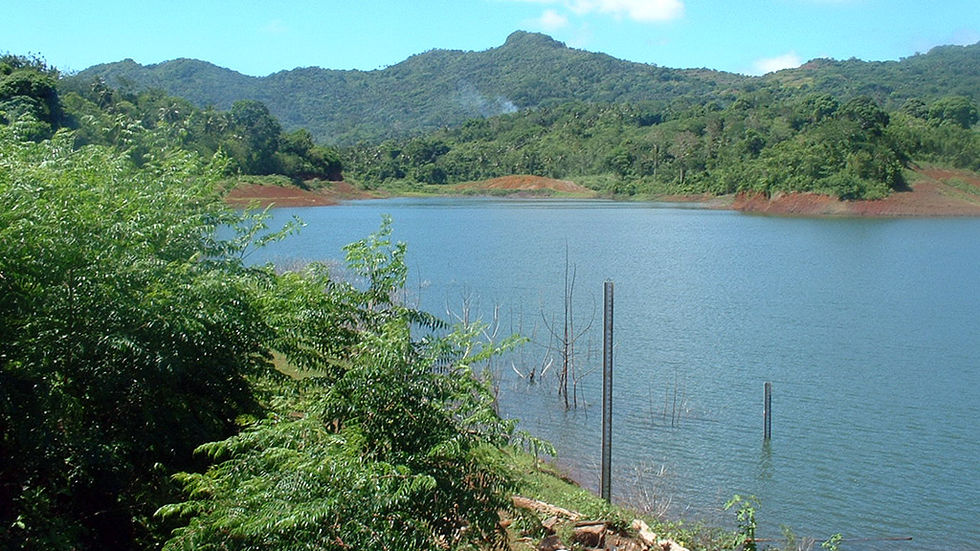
(525, 38)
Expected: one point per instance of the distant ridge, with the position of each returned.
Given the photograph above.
(446, 87)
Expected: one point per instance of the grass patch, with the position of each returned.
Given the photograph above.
(268, 180)
(963, 186)
(543, 481)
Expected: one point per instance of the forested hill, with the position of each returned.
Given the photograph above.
(446, 87)
(944, 70)
(425, 92)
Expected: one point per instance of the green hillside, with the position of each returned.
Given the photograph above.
(425, 92)
(944, 70)
(442, 88)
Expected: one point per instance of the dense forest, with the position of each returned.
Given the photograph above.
(144, 401)
(423, 93)
(763, 139)
(445, 87)
(143, 123)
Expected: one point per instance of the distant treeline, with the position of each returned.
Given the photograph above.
(444, 88)
(766, 135)
(766, 138)
(143, 123)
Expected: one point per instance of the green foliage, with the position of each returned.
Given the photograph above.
(943, 143)
(34, 99)
(132, 332)
(832, 543)
(128, 332)
(256, 135)
(958, 110)
(28, 90)
(141, 124)
(866, 113)
(298, 156)
(528, 72)
(942, 71)
(768, 140)
(564, 113)
(425, 92)
(745, 514)
(397, 447)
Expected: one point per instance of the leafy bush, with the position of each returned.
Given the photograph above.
(128, 334)
(398, 447)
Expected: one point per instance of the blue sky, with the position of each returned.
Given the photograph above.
(259, 37)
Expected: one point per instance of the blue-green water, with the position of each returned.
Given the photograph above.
(868, 330)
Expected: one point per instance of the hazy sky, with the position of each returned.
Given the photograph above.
(259, 37)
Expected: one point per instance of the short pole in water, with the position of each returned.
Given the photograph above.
(767, 412)
(607, 365)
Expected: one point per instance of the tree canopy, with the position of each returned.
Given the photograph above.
(766, 140)
(132, 333)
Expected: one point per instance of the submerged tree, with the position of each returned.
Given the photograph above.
(565, 338)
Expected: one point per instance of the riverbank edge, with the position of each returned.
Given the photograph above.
(565, 507)
(932, 192)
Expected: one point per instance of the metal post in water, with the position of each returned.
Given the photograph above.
(767, 412)
(607, 366)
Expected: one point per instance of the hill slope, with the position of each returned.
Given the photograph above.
(425, 92)
(944, 70)
(446, 87)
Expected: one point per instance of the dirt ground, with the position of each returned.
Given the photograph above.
(935, 192)
(525, 183)
(290, 196)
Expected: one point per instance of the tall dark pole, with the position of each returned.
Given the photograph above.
(607, 367)
(767, 412)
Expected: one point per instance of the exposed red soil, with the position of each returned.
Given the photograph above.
(524, 183)
(291, 196)
(936, 192)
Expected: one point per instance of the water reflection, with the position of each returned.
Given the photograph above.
(765, 461)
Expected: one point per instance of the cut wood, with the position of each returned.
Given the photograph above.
(644, 532)
(543, 508)
(590, 535)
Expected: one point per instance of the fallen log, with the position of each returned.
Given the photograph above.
(644, 532)
(590, 535)
(544, 508)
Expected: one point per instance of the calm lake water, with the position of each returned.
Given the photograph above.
(867, 329)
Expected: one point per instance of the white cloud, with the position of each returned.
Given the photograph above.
(637, 10)
(770, 64)
(551, 21)
(275, 26)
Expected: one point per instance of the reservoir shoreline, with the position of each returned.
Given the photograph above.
(935, 192)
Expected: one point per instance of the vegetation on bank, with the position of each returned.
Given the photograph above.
(142, 124)
(133, 334)
(140, 401)
(766, 140)
(535, 106)
(760, 136)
